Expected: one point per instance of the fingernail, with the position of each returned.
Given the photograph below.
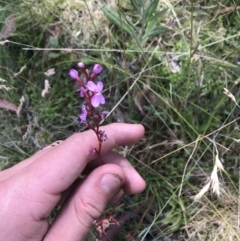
(111, 183)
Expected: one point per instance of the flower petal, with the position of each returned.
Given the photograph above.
(84, 109)
(95, 101)
(99, 86)
(83, 117)
(82, 92)
(91, 86)
(101, 99)
(84, 114)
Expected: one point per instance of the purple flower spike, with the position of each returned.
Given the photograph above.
(84, 114)
(97, 98)
(73, 74)
(97, 69)
(81, 65)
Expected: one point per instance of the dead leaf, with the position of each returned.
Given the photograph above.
(2, 80)
(3, 42)
(138, 99)
(5, 87)
(9, 27)
(20, 71)
(226, 10)
(50, 72)
(174, 64)
(55, 30)
(27, 132)
(4, 104)
(19, 109)
(46, 88)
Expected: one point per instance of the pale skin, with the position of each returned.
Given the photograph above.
(30, 190)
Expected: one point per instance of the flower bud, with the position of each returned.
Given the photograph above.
(81, 65)
(73, 74)
(97, 69)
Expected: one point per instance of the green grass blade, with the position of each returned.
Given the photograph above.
(136, 6)
(151, 9)
(154, 32)
(115, 19)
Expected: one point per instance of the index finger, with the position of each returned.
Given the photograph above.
(58, 169)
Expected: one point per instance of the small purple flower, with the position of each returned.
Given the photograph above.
(73, 74)
(103, 136)
(82, 91)
(104, 114)
(83, 115)
(97, 69)
(97, 98)
(94, 152)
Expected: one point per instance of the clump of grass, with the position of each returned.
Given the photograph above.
(80, 20)
(216, 220)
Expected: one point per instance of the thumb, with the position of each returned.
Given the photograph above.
(86, 204)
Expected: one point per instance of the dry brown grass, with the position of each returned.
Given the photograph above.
(215, 223)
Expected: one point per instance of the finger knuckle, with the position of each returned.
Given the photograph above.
(86, 207)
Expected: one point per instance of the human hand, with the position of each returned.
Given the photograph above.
(31, 189)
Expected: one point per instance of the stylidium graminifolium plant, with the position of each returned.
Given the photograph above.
(91, 91)
(92, 116)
